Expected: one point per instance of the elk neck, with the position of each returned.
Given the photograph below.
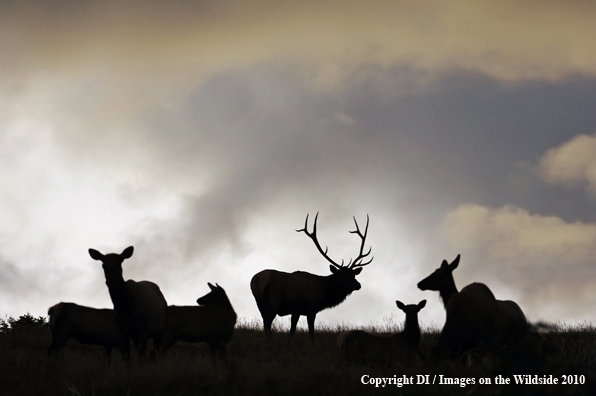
(223, 303)
(226, 304)
(447, 291)
(335, 290)
(411, 329)
(120, 295)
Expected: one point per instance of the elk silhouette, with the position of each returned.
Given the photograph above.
(86, 325)
(212, 322)
(360, 346)
(140, 306)
(302, 293)
(475, 318)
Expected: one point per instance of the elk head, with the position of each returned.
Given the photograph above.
(441, 278)
(345, 274)
(411, 308)
(112, 263)
(217, 295)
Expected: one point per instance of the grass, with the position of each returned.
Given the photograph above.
(278, 368)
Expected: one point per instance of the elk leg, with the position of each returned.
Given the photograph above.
(163, 342)
(125, 351)
(141, 345)
(267, 321)
(311, 325)
(218, 351)
(213, 346)
(294, 320)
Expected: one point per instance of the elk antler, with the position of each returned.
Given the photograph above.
(313, 235)
(361, 255)
(353, 263)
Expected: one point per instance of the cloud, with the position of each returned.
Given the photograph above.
(545, 262)
(10, 278)
(572, 163)
(182, 42)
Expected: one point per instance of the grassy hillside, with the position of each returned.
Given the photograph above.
(301, 368)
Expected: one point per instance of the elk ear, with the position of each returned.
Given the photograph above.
(400, 305)
(357, 271)
(127, 253)
(211, 286)
(333, 269)
(421, 304)
(95, 255)
(444, 264)
(454, 263)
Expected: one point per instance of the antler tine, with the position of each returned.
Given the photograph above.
(305, 230)
(355, 263)
(313, 235)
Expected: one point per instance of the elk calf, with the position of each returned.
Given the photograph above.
(212, 322)
(475, 318)
(363, 347)
(85, 325)
(302, 293)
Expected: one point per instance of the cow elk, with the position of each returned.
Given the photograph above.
(212, 322)
(475, 318)
(87, 326)
(140, 306)
(302, 293)
(362, 347)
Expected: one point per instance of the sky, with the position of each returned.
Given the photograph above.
(203, 132)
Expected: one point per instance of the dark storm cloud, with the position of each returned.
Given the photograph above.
(254, 138)
(255, 134)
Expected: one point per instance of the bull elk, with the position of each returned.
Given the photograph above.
(302, 293)
(360, 346)
(212, 322)
(87, 326)
(475, 318)
(140, 306)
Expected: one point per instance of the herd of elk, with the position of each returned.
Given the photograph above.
(474, 317)
(140, 314)
(302, 293)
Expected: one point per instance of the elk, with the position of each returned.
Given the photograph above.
(212, 322)
(360, 346)
(302, 293)
(87, 326)
(140, 306)
(475, 318)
